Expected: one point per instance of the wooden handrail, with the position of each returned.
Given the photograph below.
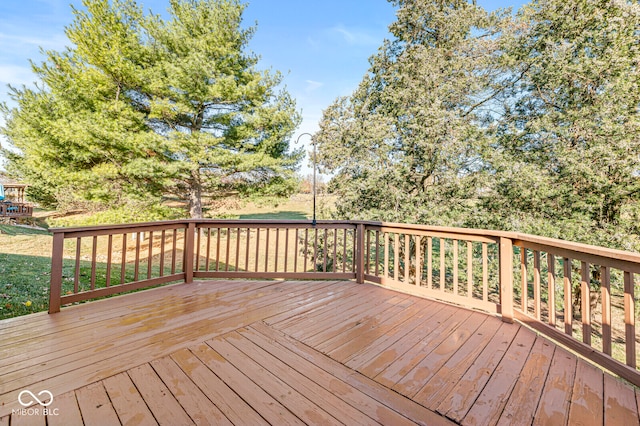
(514, 275)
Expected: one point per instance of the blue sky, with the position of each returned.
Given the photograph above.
(321, 46)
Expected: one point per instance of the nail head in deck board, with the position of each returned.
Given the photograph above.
(620, 407)
(95, 405)
(191, 398)
(126, 400)
(160, 400)
(587, 397)
(232, 405)
(524, 398)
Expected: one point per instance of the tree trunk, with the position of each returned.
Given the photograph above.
(195, 196)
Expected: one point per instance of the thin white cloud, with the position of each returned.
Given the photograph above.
(313, 85)
(18, 42)
(354, 36)
(16, 75)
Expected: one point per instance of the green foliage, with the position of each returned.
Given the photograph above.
(468, 118)
(565, 162)
(140, 107)
(406, 145)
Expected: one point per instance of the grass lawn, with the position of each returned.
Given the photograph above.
(25, 253)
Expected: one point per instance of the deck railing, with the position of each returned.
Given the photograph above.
(579, 295)
(11, 209)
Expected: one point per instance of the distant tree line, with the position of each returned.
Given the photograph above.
(527, 121)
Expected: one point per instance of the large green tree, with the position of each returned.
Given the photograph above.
(142, 107)
(567, 158)
(406, 145)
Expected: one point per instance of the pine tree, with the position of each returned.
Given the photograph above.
(141, 107)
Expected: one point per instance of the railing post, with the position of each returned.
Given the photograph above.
(360, 253)
(506, 279)
(55, 288)
(188, 252)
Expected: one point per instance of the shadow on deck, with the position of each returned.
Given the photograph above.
(293, 352)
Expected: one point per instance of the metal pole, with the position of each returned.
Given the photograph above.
(314, 182)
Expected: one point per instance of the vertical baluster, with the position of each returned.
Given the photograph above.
(418, 244)
(429, 263)
(469, 269)
(174, 251)
(605, 287)
(76, 277)
(485, 272)
(568, 311)
(295, 257)
(237, 259)
(123, 259)
(551, 274)
(137, 262)
(109, 256)
(94, 252)
(335, 249)
(355, 251)
(150, 255)
(162, 243)
(536, 284)
(524, 285)
(442, 264)
(386, 254)
(377, 269)
(246, 253)
(367, 253)
(277, 251)
(306, 247)
(407, 257)
(585, 297)
(257, 248)
(324, 250)
(344, 250)
(207, 261)
(266, 251)
(218, 249)
(315, 249)
(455, 267)
(396, 256)
(198, 242)
(227, 255)
(286, 248)
(629, 319)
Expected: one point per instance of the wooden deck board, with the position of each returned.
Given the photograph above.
(274, 352)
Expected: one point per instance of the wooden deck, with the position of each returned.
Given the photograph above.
(293, 352)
